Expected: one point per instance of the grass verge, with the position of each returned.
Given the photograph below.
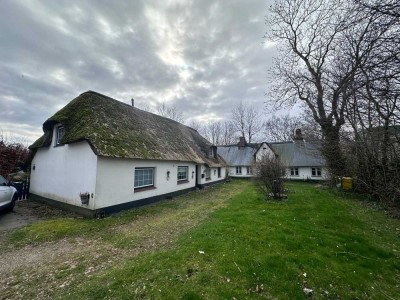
(229, 243)
(258, 249)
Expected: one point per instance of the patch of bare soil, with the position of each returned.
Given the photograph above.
(38, 271)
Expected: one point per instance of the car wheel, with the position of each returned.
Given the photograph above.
(12, 204)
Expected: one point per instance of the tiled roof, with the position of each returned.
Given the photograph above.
(238, 157)
(298, 154)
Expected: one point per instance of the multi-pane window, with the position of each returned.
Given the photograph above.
(208, 173)
(238, 170)
(144, 177)
(59, 134)
(249, 170)
(316, 172)
(294, 171)
(183, 173)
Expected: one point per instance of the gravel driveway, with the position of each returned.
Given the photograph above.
(27, 212)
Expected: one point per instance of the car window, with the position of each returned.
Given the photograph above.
(3, 181)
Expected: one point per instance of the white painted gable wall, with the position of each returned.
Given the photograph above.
(263, 150)
(63, 172)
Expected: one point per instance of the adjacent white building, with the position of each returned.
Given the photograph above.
(241, 157)
(99, 155)
(302, 159)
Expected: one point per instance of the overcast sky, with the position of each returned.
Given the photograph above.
(201, 56)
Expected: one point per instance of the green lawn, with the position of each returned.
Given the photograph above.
(230, 243)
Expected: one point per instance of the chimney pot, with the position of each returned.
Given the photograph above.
(133, 102)
(242, 143)
(298, 136)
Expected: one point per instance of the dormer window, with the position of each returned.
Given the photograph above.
(213, 152)
(60, 130)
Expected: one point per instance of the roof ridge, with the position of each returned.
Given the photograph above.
(133, 107)
(275, 143)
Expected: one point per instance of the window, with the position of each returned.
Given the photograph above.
(208, 173)
(249, 170)
(59, 134)
(316, 172)
(144, 177)
(3, 181)
(238, 170)
(219, 172)
(294, 171)
(183, 173)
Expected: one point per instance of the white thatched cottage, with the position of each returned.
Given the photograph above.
(113, 156)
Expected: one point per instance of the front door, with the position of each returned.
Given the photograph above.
(197, 175)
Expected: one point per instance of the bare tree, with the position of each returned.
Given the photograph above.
(239, 118)
(170, 111)
(214, 132)
(374, 109)
(281, 129)
(228, 133)
(322, 45)
(196, 126)
(388, 7)
(246, 120)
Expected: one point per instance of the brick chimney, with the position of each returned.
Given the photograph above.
(298, 136)
(242, 143)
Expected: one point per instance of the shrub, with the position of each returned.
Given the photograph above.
(269, 174)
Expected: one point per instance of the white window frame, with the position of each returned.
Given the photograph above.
(294, 171)
(144, 185)
(249, 170)
(186, 168)
(239, 170)
(60, 131)
(316, 172)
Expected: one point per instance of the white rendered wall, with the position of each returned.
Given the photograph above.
(264, 150)
(305, 173)
(61, 173)
(115, 180)
(232, 172)
(213, 172)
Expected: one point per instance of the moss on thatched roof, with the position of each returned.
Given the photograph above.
(116, 129)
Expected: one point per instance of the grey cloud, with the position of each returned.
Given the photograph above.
(53, 50)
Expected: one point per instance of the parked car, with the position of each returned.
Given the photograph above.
(8, 195)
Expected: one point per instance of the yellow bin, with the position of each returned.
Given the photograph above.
(347, 183)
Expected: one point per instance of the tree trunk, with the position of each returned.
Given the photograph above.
(332, 151)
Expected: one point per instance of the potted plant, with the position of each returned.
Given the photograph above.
(85, 198)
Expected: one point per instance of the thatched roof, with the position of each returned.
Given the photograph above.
(115, 129)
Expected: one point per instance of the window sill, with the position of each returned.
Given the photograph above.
(146, 188)
(316, 175)
(182, 181)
